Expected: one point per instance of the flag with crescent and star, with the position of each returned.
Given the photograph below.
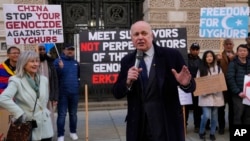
(224, 22)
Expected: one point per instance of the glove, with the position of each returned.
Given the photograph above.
(19, 120)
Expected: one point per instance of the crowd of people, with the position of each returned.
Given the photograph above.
(234, 66)
(149, 77)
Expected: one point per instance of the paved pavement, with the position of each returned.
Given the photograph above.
(109, 125)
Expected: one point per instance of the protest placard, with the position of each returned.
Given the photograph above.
(224, 22)
(32, 24)
(210, 84)
(102, 51)
(246, 89)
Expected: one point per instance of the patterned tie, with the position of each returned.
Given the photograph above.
(144, 73)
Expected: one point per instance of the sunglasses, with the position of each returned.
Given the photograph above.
(70, 49)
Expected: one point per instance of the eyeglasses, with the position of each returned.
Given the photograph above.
(40, 49)
(15, 53)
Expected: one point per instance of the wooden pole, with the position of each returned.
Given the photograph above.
(184, 120)
(57, 51)
(86, 113)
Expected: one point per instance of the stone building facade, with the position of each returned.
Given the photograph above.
(160, 14)
(186, 13)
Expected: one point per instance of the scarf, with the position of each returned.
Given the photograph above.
(7, 62)
(33, 83)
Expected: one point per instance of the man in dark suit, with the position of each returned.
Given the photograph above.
(154, 110)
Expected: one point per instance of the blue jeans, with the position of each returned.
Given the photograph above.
(207, 113)
(67, 102)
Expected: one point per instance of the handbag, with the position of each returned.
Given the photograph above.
(22, 131)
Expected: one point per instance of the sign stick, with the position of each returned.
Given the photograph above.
(86, 113)
(184, 120)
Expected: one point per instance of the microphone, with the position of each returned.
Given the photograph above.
(139, 56)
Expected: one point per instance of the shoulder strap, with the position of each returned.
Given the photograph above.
(218, 68)
(34, 108)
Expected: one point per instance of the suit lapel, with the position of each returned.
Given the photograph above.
(28, 89)
(160, 67)
(151, 75)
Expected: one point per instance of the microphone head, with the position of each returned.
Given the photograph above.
(139, 54)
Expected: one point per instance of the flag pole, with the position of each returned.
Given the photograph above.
(184, 119)
(57, 51)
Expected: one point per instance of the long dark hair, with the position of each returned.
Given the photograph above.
(204, 66)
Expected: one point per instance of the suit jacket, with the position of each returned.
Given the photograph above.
(24, 101)
(224, 63)
(167, 105)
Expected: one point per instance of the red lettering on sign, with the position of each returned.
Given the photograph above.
(104, 78)
(35, 40)
(90, 46)
(32, 8)
(48, 16)
(33, 24)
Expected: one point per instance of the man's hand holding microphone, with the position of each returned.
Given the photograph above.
(134, 71)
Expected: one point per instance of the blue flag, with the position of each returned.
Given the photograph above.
(48, 46)
(224, 22)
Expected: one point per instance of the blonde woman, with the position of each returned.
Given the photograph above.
(25, 87)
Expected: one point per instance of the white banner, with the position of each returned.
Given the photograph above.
(32, 24)
(224, 22)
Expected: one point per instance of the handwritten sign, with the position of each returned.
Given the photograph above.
(207, 85)
(185, 98)
(32, 24)
(246, 89)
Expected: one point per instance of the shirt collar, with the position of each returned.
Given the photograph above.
(150, 52)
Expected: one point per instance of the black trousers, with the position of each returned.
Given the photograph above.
(221, 111)
(197, 112)
(221, 117)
